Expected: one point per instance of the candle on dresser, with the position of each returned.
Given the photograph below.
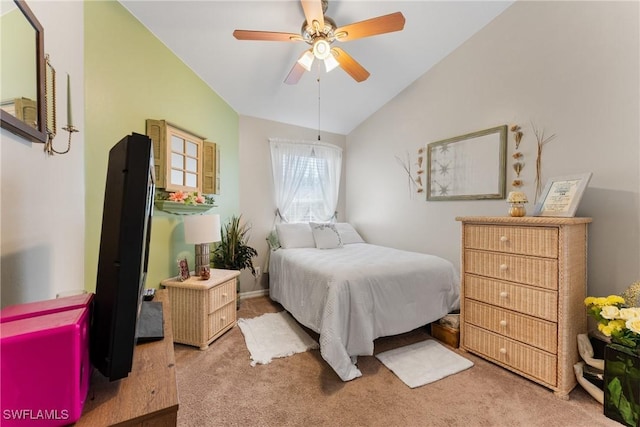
(69, 119)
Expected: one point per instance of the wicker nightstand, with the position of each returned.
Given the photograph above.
(523, 287)
(202, 310)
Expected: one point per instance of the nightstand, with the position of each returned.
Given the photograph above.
(202, 310)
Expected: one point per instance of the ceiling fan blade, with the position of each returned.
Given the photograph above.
(350, 65)
(294, 75)
(371, 27)
(266, 36)
(313, 12)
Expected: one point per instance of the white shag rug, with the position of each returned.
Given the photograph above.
(423, 362)
(274, 335)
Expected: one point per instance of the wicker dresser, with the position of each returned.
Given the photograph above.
(202, 310)
(522, 297)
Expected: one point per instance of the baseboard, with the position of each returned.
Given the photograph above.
(254, 294)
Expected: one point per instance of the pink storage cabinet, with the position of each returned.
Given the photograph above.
(31, 309)
(45, 369)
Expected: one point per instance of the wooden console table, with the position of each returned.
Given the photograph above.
(148, 396)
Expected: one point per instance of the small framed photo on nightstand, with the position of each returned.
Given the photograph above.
(183, 269)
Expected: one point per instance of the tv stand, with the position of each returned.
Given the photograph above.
(148, 396)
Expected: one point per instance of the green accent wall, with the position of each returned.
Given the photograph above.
(131, 76)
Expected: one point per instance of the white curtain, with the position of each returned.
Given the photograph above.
(306, 177)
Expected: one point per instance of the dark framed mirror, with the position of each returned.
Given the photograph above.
(23, 108)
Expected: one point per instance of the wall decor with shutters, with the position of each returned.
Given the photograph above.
(184, 161)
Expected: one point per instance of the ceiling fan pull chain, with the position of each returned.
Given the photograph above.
(318, 79)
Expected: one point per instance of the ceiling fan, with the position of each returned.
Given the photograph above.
(320, 32)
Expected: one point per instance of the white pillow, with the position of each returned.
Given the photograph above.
(326, 236)
(348, 234)
(297, 235)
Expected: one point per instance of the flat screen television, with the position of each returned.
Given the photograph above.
(124, 254)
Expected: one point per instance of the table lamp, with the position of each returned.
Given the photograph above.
(202, 230)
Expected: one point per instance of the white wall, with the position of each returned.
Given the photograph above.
(42, 198)
(257, 204)
(572, 69)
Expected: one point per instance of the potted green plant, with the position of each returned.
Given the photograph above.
(233, 252)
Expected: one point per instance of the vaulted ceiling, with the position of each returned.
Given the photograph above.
(249, 75)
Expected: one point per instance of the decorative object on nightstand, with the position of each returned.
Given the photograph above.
(183, 269)
(522, 295)
(202, 230)
(202, 310)
(517, 199)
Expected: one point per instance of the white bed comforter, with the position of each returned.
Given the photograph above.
(355, 294)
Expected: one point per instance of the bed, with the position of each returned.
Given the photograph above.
(351, 292)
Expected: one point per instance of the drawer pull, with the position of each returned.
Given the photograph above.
(504, 294)
(503, 350)
(504, 239)
(223, 318)
(224, 295)
(503, 267)
(503, 323)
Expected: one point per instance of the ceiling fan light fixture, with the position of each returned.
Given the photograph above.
(321, 48)
(330, 62)
(306, 60)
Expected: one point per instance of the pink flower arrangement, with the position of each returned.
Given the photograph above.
(187, 198)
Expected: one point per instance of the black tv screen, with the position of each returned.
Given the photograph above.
(124, 254)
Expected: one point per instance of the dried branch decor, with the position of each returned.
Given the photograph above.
(413, 183)
(542, 141)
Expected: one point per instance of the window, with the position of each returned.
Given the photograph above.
(307, 179)
(183, 160)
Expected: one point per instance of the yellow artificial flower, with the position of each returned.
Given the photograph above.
(614, 299)
(601, 301)
(616, 325)
(605, 329)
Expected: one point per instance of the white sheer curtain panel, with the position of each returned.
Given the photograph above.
(306, 179)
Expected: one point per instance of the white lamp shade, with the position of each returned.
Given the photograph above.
(330, 63)
(306, 60)
(202, 229)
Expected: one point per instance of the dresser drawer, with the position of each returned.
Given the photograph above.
(221, 318)
(541, 272)
(528, 360)
(535, 241)
(530, 330)
(222, 295)
(524, 299)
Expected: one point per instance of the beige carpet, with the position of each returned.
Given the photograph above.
(218, 387)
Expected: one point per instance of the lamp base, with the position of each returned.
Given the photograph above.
(202, 259)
